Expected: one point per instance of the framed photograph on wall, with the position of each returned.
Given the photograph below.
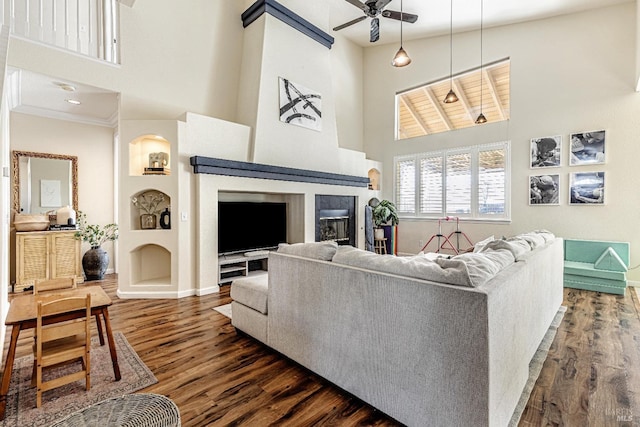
(586, 188)
(546, 152)
(544, 190)
(587, 148)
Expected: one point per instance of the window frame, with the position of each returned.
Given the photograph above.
(474, 213)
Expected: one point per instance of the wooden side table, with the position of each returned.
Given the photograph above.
(380, 245)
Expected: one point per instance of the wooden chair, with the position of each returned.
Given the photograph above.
(44, 285)
(61, 342)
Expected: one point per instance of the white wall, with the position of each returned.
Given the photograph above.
(93, 145)
(568, 74)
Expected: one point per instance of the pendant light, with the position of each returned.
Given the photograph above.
(402, 58)
(481, 118)
(451, 96)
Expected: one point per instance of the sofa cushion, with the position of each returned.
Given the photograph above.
(609, 260)
(586, 269)
(471, 269)
(251, 292)
(517, 246)
(482, 243)
(419, 266)
(323, 251)
(478, 267)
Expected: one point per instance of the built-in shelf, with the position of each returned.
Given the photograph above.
(149, 156)
(231, 267)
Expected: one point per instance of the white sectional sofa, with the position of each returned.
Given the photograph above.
(439, 343)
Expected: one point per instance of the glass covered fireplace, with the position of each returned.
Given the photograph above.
(334, 225)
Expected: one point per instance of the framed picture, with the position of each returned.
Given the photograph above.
(50, 196)
(544, 190)
(300, 106)
(587, 148)
(586, 188)
(546, 152)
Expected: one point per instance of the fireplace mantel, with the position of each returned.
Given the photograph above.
(211, 165)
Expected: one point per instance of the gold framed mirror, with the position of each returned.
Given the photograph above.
(42, 181)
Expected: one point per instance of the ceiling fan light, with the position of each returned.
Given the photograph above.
(451, 97)
(481, 119)
(401, 59)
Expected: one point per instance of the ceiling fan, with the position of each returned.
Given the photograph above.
(373, 9)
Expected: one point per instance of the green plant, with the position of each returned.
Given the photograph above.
(384, 213)
(95, 234)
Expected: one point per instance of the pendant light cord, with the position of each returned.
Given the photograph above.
(481, 77)
(451, 46)
(401, 18)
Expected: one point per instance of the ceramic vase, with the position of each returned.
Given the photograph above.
(94, 263)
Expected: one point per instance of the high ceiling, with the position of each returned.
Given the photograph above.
(42, 95)
(434, 16)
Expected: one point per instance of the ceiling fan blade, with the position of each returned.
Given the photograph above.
(374, 35)
(359, 5)
(406, 17)
(353, 21)
(380, 4)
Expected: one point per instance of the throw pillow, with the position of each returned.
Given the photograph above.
(323, 251)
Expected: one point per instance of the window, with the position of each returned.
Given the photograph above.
(421, 110)
(471, 182)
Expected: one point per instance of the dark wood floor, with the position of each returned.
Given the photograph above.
(219, 378)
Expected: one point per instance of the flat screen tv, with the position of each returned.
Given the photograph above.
(248, 226)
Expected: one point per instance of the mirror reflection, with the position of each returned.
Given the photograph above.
(44, 182)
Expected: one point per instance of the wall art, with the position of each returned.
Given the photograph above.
(586, 188)
(544, 190)
(300, 106)
(587, 148)
(546, 152)
(50, 196)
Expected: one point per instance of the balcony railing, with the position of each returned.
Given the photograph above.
(86, 27)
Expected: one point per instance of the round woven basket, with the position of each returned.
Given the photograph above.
(134, 410)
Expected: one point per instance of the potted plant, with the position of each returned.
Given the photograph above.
(384, 213)
(96, 259)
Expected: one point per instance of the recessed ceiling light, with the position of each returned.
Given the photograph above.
(73, 101)
(67, 87)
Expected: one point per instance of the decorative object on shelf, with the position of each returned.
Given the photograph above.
(28, 222)
(384, 213)
(165, 219)
(158, 160)
(149, 205)
(66, 216)
(95, 260)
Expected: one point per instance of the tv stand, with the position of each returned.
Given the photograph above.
(231, 267)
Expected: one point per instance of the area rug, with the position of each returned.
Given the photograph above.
(21, 402)
(535, 366)
(225, 310)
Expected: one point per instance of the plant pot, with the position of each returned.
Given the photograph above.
(94, 263)
(148, 221)
(378, 233)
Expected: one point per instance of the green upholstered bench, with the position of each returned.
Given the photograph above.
(596, 265)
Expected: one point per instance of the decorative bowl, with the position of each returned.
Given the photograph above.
(27, 222)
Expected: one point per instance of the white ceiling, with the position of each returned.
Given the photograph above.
(434, 16)
(32, 93)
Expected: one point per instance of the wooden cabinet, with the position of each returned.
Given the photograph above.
(45, 255)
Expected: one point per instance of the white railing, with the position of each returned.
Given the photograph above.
(87, 27)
